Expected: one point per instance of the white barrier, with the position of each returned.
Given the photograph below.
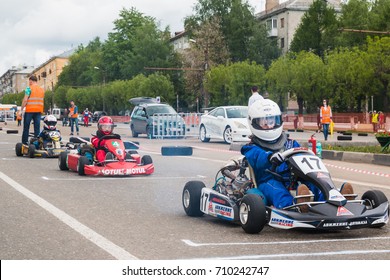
(7, 115)
(176, 125)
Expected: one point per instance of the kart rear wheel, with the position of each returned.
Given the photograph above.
(252, 213)
(191, 198)
(83, 161)
(31, 151)
(62, 161)
(372, 199)
(146, 159)
(18, 149)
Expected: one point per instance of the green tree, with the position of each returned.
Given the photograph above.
(317, 30)
(379, 16)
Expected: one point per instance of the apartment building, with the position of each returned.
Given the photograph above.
(283, 18)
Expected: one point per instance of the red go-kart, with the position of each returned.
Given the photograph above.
(123, 162)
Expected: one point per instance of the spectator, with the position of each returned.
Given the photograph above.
(73, 117)
(255, 96)
(381, 120)
(326, 118)
(374, 121)
(33, 103)
(65, 118)
(86, 116)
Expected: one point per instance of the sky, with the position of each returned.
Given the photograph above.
(34, 31)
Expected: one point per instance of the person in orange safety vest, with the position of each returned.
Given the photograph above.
(326, 118)
(33, 103)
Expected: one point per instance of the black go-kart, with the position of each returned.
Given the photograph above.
(231, 199)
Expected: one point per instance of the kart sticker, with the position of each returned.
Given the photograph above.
(308, 164)
(123, 171)
(115, 144)
(342, 211)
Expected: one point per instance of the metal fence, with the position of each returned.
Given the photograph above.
(176, 125)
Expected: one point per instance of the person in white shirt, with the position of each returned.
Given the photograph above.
(255, 96)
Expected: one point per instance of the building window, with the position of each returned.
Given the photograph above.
(274, 23)
(281, 22)
(282, 43)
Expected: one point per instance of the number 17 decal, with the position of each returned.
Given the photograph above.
(310, 164)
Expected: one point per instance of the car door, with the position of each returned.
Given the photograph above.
(220, 122)
(139, 120)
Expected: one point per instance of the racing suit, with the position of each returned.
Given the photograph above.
(100, 151)
(275, 191)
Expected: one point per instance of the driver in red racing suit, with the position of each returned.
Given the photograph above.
(267, 141)
(105, 127)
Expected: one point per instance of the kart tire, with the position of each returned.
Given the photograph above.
(12, 131)
(362, 134)
(31, 151)
(176, 151)
(62, 161)
(83, 161)
(191, 198)
(252, 214)
(146, 159)
(344, 137)
(18, 149)
(372, 199)
(202, 134)
(227, 135)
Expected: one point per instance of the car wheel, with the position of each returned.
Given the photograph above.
(31, 151)
(191, 198)
(83, 161)
(146, 159)
(18, 149)
(202, 134)
(227, 135)
(372, 199)
(253, 216)
(135, 134)
(62, 161)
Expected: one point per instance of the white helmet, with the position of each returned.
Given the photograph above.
(265, 120)
(50, 122)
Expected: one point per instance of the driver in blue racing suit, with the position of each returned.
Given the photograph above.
(267, 141)
(49, 124)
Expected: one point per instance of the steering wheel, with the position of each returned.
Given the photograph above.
(110, 136)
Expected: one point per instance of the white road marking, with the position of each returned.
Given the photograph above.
(99, 240)
(298, 255)
(194, 244)
(94, 178)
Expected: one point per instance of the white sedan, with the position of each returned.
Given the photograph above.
(228, 123)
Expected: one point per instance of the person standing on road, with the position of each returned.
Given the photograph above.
(86, 116)
(33, 104)
(73, 117)
(326, 118)
(255, 96)
(381, 120)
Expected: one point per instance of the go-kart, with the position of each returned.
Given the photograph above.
(235, 198)
(125, 162)
(50, 148)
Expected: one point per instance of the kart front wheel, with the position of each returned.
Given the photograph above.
(252, 213)
(372, 199)
(18, 149)
(31, 150)
(146, 159)
(83, 161)
(191, 198)
(62, 161)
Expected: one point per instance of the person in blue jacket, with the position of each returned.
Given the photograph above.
(267, 141)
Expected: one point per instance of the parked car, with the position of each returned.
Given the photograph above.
(97, 115)
(156, 120)
(228, 123)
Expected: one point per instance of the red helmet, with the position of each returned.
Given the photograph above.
(105, 125)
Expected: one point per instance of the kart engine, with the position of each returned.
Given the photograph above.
(234, 186)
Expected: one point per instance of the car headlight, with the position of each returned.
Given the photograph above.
(240, 125)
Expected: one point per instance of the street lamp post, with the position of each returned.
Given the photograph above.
(102, 85)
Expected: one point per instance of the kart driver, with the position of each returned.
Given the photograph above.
(267, 141)
(49, 124)
(105, 127)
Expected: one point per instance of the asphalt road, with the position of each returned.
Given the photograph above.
(48, 214)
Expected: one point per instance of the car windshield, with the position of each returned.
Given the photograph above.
(237, 112)
(163, 109)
